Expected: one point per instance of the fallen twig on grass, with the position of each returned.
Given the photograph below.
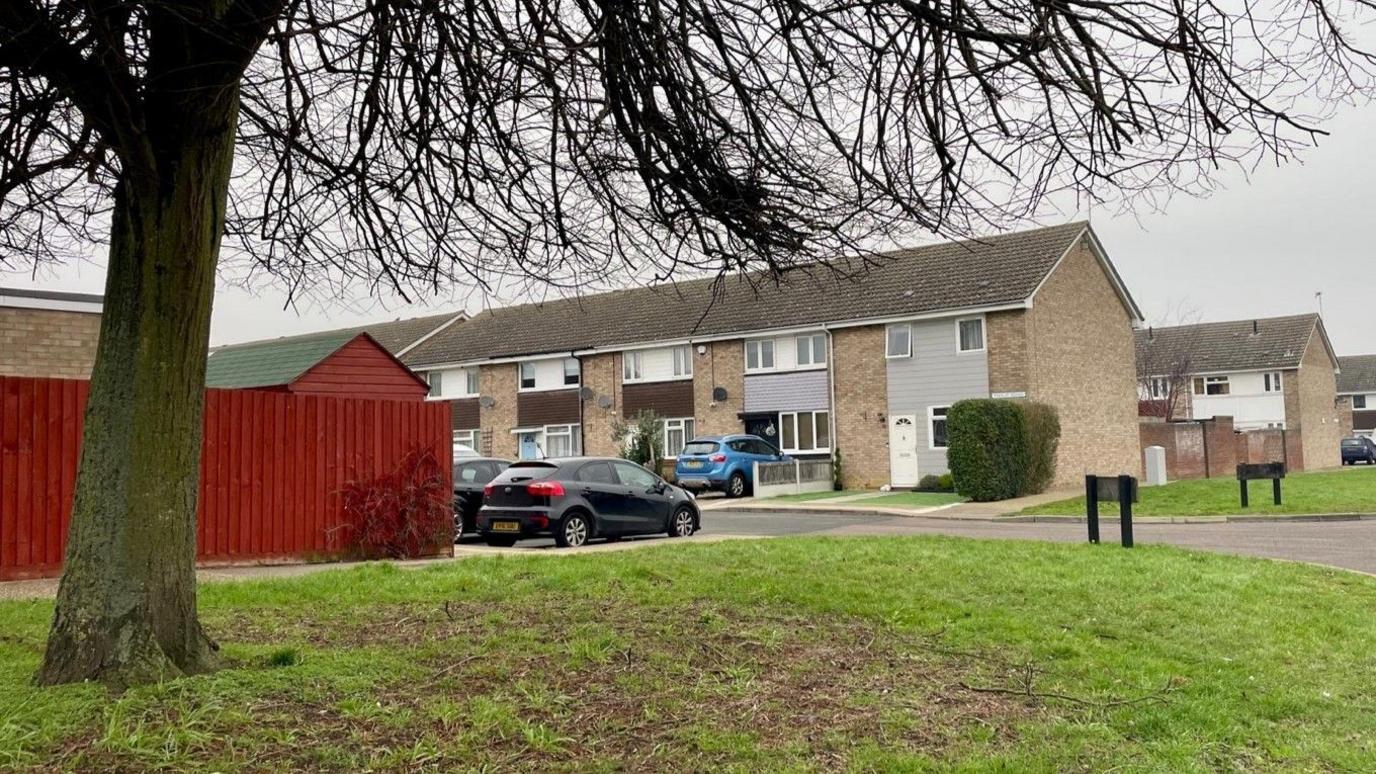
(1027, 691)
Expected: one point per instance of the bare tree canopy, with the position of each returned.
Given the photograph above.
(417, 142)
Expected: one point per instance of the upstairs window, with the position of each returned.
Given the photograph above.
(436, 381)
(527, 376)
(683, 361)
(900, 341)
(1270, 382)
(1358, 401)
(570, 372)
(970, 335)
(632, 366)
(470, 381)
(759, 355)
(1212, 385)
(812, 350)
(1160, 388)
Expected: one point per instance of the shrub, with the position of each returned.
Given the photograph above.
(837, 471)
(640, 439)
(934, 483)
(1000, 449)
(402, 514)
(1043, 436)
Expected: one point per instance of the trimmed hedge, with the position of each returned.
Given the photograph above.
(998, 449)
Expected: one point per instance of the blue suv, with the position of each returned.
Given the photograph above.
(723, 462)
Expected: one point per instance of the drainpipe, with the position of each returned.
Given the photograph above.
(831, 389)
(582, 428)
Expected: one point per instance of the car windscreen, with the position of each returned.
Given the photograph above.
(527, 470)
(700, 447)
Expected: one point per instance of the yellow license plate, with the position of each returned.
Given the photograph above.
(692, 464)
(506, 526)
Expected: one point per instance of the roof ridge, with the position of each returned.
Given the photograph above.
(1239, 321)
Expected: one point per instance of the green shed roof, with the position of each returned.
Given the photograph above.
(270, 363)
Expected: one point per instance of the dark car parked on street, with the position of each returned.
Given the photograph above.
(471, 475)
(574, 499)
(1359, 449)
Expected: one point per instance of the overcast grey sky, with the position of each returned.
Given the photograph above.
(1257, 247)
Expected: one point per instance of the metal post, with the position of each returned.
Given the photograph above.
(1243, 485)
(1092, 507)
(1204, 435)
(1275, 490)
(1125, 487)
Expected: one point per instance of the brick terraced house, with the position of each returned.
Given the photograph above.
(1357, 390)
(1268, 373)
(48, 334)
(868, 364)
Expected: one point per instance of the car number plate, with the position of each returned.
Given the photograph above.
(506, 526)
(693, 464)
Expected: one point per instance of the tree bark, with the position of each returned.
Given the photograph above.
(126, 607)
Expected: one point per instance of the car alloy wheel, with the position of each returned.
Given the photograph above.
(682, 525)
(574, 532)
(736, 487)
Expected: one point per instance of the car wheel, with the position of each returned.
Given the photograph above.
(500, 542)
(458, 528)
(681, 523)
(735, 486)
(573, 532)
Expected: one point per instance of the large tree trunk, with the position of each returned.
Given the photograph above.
(126, 608)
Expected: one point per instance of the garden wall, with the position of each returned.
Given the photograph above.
(1189, 443)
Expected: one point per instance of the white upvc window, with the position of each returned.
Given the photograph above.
(527, 375)
(563, 440)
(468, 438)
(436, 381)
(759, 355)
(683, 361)
(899, 340)
(1160, 388)
(632, 366)
(1212, 385)
(571, 372)
(805, 432)
(812, 350)
(470, 382)
(677, 434)
(936, 427)
(1270, 382)
(1359, 402)
(970, 334)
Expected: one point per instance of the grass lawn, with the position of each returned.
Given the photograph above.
(809, 496)
(884, 654)
(1332, 491)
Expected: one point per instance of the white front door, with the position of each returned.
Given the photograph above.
(903, 450)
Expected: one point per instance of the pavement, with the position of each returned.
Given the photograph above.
(1349, 544)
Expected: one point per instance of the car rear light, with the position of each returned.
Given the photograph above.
(545, 489)
(540, 521)
(487, 491)
(719, 458)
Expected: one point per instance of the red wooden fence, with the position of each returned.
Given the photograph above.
(272, 467)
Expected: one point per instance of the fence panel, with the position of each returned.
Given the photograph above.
(272, 466)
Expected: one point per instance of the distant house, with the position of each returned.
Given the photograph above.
(1276, 372)
(1357, 384)
(340, 363)
(48, 334)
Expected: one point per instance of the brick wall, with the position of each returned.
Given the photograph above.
(1346, 420)
(861, 384)
(498, 382)
(1007, 351)
(41, 342)
(1081, 360)
(1320, 419)
(1185, 444)
(722, 365)
(602, 375)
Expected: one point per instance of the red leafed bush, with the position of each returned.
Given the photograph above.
(402, 514)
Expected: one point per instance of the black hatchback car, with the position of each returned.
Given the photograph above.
(1357, 449)
(578, 498)
(471, 475)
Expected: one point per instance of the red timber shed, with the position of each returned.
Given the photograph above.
(337, 363)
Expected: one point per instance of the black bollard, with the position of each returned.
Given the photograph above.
(1092, 507)
(1125, 492)
(1243, 485)
(1275, 490)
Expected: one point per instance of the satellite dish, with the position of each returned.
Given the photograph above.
(486, 401)
(604, 401)
(719, 394)
(585, 393)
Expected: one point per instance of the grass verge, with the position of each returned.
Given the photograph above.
(1328, 491)
(792, 654)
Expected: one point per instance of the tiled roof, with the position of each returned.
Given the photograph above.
(1358, 373)
(279, 361)
(993, 271)
(1236, 345)
(274, 362)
